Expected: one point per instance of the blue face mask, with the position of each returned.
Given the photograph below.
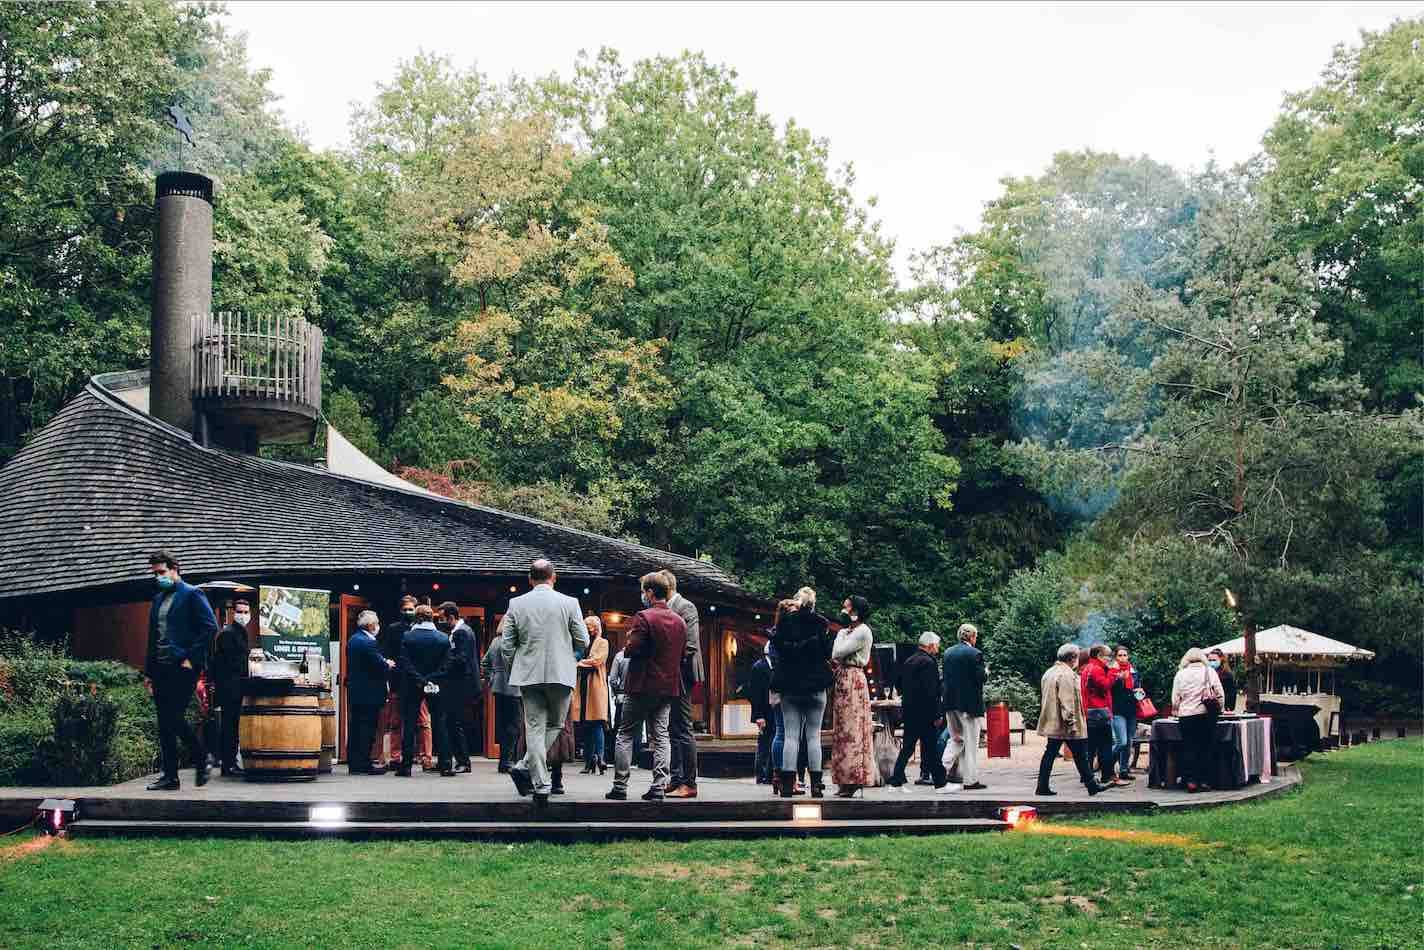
(1214, 664)
(165, 582)
(646, 602)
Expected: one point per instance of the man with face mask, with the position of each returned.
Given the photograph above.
(181, 625)
(389, 727)
(366, 673)
(228, 667)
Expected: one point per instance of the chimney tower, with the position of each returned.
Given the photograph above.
(182, 289)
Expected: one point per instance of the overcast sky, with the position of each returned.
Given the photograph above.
(932, 104)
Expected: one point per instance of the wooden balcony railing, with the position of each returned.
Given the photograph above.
(250, 356)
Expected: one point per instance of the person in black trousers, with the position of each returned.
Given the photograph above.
(181, 626)
(508, 712)
(1061, 719)
(366, 672)
(459, 683)
(758, 693)
(225, 672)
(920, 713)
(424, 654)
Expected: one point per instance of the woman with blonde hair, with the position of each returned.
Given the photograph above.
(1196, 698)
(801, 676)
(852, 758)
(590, 700)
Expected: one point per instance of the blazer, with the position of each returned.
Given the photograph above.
(461, 675)
(191, 627)
(424, 653)
(803, 654)
(758, 689)
(229, 660)
(389, 640)
(919, 689)
(366, 671)
(656, 642)
(964, 677)
(618, 673)
(687, 610)
(538, 636)
(495, 672)
(1061, 714)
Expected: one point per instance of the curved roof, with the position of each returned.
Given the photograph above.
(1292, 643)
(104, 483)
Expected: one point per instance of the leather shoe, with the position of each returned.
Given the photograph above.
(200, 776)
(975, 787)
(616, 795)
(653, 795)
(233, 772)
(163, 785)
(541, 802)
(402, 773)
(522, 783)
(1044, 791)
(447, 773)
(465, 769)
(683, 791)
(556, 790)
(924, 781)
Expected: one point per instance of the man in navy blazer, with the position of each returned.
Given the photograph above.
(425, 654)
(366, 671)
(181, 625)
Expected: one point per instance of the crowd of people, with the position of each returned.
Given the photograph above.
(554, 687)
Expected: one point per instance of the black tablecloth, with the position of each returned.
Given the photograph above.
(1243, 752)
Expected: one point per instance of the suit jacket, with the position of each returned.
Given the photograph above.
(191, 626)
(424, 652)
(656, 643)
(229, 660)
(365, 671)
(494, 671)
(1061, 715)
(687, 610)
(964, 676)
(919, 689)
(461, 676)
(618, 673)
(389, 640)
(758, 689)
(538, 636)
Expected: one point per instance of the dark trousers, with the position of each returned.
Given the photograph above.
(172, 691)
(410, 712)
(1100, 742)
(926, 734)
(684, 746)
(1079, 748)
(764, 767)
(507, 717)
(1198, 732)
(453, 703)
(361, 733)
(229, 699)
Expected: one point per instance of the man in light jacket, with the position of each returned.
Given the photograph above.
(683, 783)
(1061, 720)
(538, 636)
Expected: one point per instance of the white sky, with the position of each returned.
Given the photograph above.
(933, 104)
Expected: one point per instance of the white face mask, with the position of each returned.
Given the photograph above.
(243, 619)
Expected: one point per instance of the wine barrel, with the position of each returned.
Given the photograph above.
(280, 735)
(327, 708)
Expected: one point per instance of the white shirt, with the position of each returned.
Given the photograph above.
(852, 645)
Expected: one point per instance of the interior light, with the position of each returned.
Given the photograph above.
(615, 617)
(55, 814)
(713, 608)
(805, 812)
(328, 814)
(511, 588)
(585, 591)
(434, 586)
(355, 586)
(758, 616)
(1018, 815)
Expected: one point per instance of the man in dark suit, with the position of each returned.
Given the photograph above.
(366, 672)
(964, 676)
(920, 712)
(225, 671)
(388, 724)
(758, 693)
(657, 641)
(424, 654)
(459, 683)
(181, 626)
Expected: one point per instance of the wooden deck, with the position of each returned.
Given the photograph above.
(484, 805)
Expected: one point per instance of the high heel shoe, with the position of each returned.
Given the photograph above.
(587, 769)
(849, 791)
(602, 767)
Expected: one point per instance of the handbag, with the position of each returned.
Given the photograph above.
(1146, 709)
(1212, 704)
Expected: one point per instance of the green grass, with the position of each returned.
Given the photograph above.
(1337, 863)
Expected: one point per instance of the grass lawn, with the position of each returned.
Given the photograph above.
(1339, 863)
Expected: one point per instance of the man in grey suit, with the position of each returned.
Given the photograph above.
(684, 746)
(537, 639)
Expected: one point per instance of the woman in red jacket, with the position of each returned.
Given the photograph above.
(1097, 681)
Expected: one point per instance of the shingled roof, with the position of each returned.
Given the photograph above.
(103, 484)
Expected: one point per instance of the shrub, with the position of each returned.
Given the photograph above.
(22, 734)
(80, 752)
(1009, 687)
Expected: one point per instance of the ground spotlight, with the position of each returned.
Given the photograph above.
(1018, 815)
(55, 814)
(328, 815)
(805, 813)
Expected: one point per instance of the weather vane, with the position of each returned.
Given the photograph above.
(176, 117)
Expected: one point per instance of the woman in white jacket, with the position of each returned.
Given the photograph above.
(1196, 698)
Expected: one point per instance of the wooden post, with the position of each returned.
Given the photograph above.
(1253, 683)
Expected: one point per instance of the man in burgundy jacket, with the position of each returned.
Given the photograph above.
(656, 642)
(1097, 681)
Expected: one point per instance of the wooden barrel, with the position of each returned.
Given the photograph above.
(280, 736)
(327, 708)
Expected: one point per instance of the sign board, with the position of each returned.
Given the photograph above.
(293, 620)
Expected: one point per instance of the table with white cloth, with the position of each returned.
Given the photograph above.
(1242, 753)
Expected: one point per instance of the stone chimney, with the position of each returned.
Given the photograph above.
(182, 289)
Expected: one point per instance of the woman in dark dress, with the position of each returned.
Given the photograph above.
(1217, 661)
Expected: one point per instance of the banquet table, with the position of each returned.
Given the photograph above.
(1243, 752)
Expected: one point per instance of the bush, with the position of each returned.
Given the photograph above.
(1023, 633)
(80, 752)
(1009, 687)
(23, 733)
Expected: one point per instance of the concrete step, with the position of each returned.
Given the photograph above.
(531, 830)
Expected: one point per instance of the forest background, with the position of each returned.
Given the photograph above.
(624, 299)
